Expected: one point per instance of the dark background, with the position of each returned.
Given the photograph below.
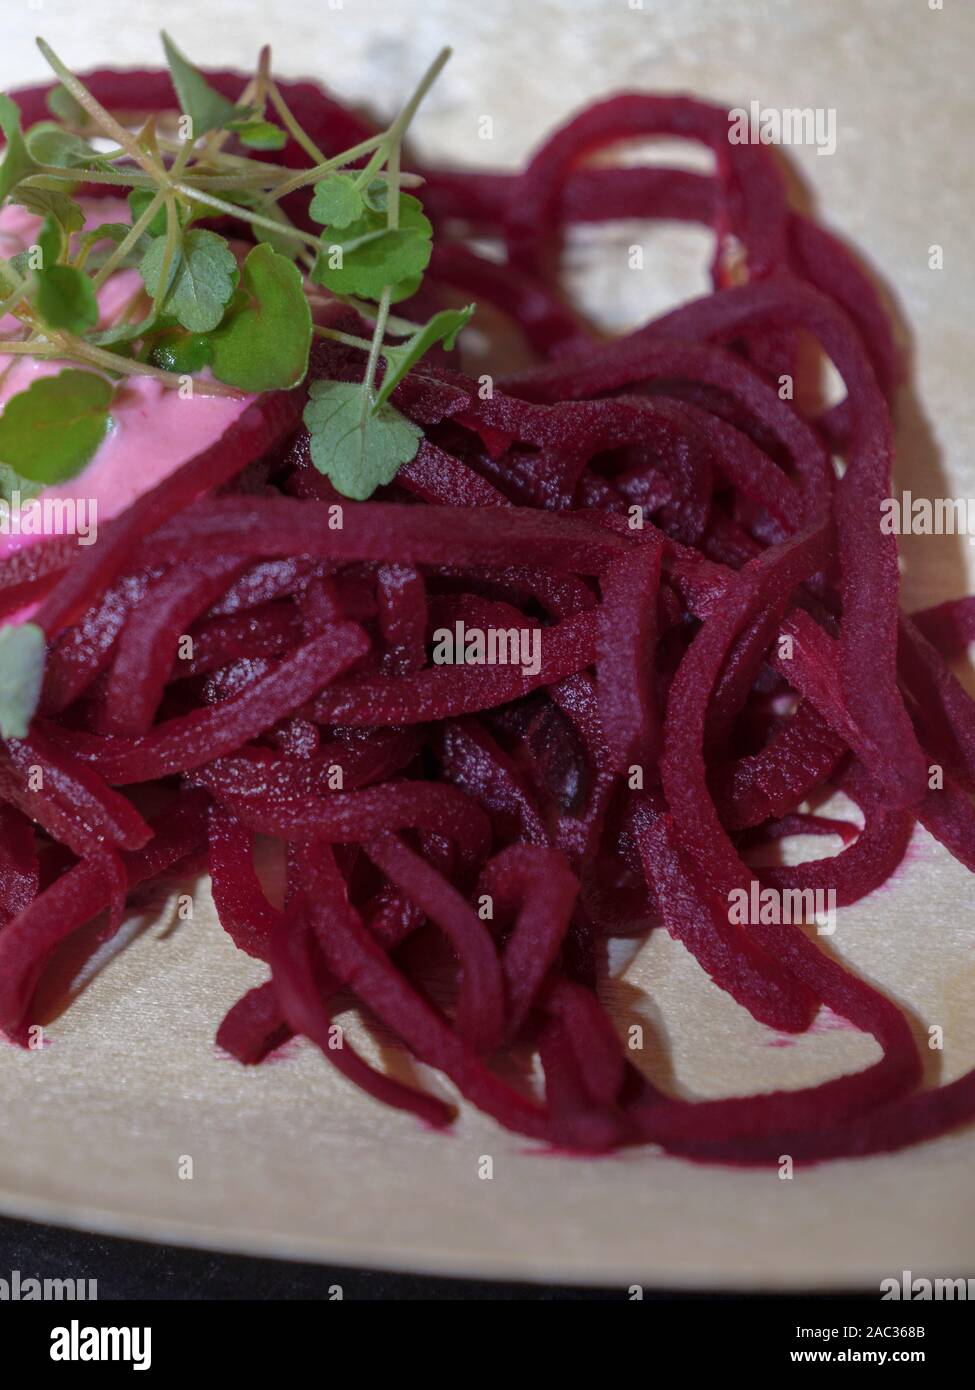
(130, 1269)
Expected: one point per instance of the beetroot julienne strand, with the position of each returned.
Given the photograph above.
(703, 644)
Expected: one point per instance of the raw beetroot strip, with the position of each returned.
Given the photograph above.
(472, 760)
(746, 170)
(948, 708)
(480, 998)
(357, 960)
(269, 630)
(713, 858)
(245, 913)
(286, 779)
(19, 872)
(301, 991)
(948, 626)
(387, 531)
(402, 617)
(868, 627)
(443, 692)
(575, 1123)
(798, 758)
(189, 741)
(799, 823)
(438, 477)
(148, 643)
(78, 896)
(643, 358)
(80, 653)
(254, 1026)
(697, 916)
(538, 883)
(893, 1126)
(262, 583)
(859, 868)
(592, 1037)
(71, 800)
(358, 817)
(625, 645)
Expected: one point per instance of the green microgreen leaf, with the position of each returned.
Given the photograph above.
(46, 202)
(49, 244)
(260, 135)
(263, 343)
(65, 298)
(122, 333)
(206, 108)
(443, 327)
(138, 200)
(375, 195)
(374, 255)
(246, 198)
(337, 201)
(115, 232)
(202, 278)
(358, 452)
(183, 353)
(62, 104)
(17, 163)
(22, 650)
(11, 482)
(48, 143)
(50, 240)
(50, 431)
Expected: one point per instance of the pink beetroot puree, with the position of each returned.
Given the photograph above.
(153, 430)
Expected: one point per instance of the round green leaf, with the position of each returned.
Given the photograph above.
(66, 299)
(50, 431)
(337, 201)
(374, 255)
(202, 278)
(22, 651)
(359, 450)
(49, 143)
(264, 342)
(138, 200)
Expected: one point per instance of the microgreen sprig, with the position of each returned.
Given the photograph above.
(229, 323)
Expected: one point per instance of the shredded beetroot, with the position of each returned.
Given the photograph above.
(714, 610)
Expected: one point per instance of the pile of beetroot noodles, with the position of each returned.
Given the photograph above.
(662, 649)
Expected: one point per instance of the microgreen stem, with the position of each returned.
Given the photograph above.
(399, 126)
(347, 338)
(214, 142)
(97, 112)
(74, 349)
(328, 166)
(245, 214)
(18, 286)
(291, 125)
(379, 332)
(127, 178)
(128, 241)
(169, 252)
